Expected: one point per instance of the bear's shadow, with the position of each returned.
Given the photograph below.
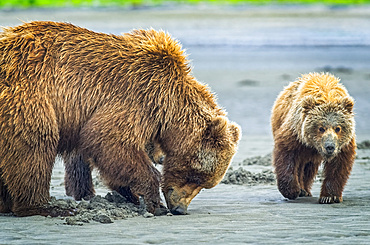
(307, 200)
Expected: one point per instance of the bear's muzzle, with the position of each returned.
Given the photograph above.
(178, 199)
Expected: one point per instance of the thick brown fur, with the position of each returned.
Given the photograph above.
(313, 122)
(99, 100)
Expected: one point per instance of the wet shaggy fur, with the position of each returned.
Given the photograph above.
(99, 100)
(313, 122)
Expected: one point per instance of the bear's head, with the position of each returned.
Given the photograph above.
(203, 166)
(327, 126)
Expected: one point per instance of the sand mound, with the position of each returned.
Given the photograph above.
(259, 160)
(245, 177)
(364, 144)
(242, 176)
(100, 209)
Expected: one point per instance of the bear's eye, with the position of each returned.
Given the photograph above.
(337, 129)
(322, 130)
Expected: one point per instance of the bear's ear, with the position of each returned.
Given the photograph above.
(216, 128)
(348, 103)
(235, 131)
(308, 103)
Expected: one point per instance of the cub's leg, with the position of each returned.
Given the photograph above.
(336, 174)
(286, 170)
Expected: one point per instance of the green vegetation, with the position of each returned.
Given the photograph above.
(123, 3)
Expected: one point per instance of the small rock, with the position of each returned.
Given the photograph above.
(148, 215)
(72, 221)
(102, 218)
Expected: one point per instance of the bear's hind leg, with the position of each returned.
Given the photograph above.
(301, 178)
(308, 174)
(28, 180)
(77, 179)
(5, 198)
(29, 186)
(28, 148)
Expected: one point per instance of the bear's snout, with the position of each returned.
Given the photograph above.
(330, 148)
(329, 145)
(179, 198)
(174, 203)
(179, 210)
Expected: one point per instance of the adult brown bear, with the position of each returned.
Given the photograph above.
(99, 100)
(313, 122)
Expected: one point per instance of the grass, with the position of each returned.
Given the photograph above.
(123, 3)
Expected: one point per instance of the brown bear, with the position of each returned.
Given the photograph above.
(313, 122)
(99, 100)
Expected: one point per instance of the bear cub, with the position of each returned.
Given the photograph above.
(313, 123)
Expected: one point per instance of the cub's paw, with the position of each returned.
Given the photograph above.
(330, 199)
(290, 194)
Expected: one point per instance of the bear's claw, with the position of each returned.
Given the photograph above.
(330, 199)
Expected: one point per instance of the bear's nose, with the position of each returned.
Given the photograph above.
(330, 148)
(179, 210)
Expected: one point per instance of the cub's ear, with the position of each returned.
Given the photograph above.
(348, 103)
(216, 128)
(308, 103)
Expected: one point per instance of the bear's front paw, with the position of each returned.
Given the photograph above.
(330, 199)
(290, 193)
(161, 210)
(305, 193)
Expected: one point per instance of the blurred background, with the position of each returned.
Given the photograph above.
(142, 3)
(246, 51)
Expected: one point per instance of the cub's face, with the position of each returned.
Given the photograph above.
(329, 126)
(203, 167)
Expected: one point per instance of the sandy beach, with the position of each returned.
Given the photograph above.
(246, 55)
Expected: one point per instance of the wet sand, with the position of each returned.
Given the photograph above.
(224, 46)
